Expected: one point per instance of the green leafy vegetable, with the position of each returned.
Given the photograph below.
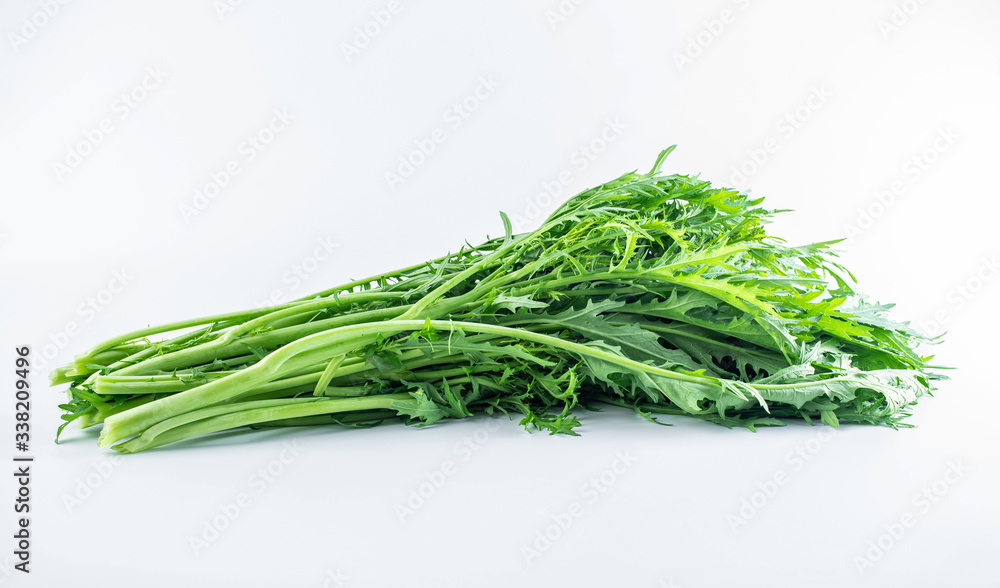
(655, 292)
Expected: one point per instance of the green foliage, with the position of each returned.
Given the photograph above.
(656, 292)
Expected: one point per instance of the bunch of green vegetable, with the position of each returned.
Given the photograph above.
(655, 292)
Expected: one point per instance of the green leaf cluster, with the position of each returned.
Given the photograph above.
(656, 292)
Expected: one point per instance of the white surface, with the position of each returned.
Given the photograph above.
(666, 519)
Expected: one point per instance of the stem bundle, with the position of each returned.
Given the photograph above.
(656, 292)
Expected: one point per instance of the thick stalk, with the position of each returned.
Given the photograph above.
(218, 419)
(331, 343)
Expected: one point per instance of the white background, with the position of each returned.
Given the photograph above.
(721, 79)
